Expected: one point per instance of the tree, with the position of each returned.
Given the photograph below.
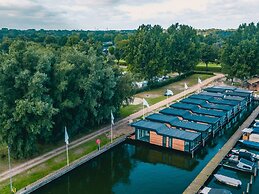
(240, 55)
(182, 48)
(145, 52)
(208, 53)
(26, 107)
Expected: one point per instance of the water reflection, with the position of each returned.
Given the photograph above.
(154, 155)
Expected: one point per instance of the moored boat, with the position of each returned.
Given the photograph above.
(250, 144)
(208, 190)
(243, 153)
(228, 180)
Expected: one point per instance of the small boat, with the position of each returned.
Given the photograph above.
(243, 153)
(228, 180)
(208, 190)
(250, 144)
(236, 163)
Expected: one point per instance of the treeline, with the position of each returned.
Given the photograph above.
(44, 88)
(153, 51)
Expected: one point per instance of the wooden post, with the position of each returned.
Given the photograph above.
(251, 180)
(192, 153)
(255, 172)
(247, 188)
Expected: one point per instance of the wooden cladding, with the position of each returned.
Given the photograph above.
(178, 144)
(155, 139)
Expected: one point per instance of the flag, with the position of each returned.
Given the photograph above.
(66, 136)
(145, 103)
(112, 118)
(185, 86)
(169, 92)
(199, 80)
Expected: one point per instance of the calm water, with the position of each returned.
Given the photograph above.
(136, 168)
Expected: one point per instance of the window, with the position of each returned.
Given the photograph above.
(170, 142)
(164, 141)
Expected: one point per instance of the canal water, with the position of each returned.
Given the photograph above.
(136, 168)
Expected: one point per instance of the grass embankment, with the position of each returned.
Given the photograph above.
(52, 165)
(212, 67)
(156, 95)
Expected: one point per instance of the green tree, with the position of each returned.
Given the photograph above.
(182, 48)
(26, 107)
(240, 54)
(208, 53)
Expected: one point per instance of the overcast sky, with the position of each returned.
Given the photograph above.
(125, 14)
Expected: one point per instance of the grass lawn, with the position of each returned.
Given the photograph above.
(157, 95)
(212, 67)
(51, 165)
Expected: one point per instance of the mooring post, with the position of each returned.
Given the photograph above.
(255, 172)
(247, 188)
(251, 180)
(192, 153)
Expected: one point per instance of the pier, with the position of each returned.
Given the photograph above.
(200, 180)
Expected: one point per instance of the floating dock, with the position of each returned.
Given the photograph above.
(200, 180)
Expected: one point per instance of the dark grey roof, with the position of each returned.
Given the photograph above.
(193, 101)
(202, 97)
(235, 93)
(184, 106)
(243, 91)
(217, 106)
(219, 89)
(220, 95)
(236, 98)
(200, 118)
(173, 111)
(161, 118)
(191, 125)
(162, 129)
(224, 102)
(211, 112)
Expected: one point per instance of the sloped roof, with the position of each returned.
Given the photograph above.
(191, 125)
(161, 118)
(202, 97)
(162, 129)
(184, 106)
(221, 95)
(201, 118)
(236, 93)
(222, 101)
(211, 112)
(235, 98)
(193, 101)
(217, 106)
(173, 111)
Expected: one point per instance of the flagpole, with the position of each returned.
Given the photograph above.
(67, 155)
(111, 132)
(10, 174)
(143, 112)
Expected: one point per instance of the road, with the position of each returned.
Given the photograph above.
(120, 127)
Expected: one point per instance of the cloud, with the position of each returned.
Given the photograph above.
(125, 14)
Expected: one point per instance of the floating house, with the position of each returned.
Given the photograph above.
(187, 124)
(161, 135)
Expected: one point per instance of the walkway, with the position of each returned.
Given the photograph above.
(121, 127)
(200, 180)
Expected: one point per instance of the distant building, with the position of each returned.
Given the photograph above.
(253, 84)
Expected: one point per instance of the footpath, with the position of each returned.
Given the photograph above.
(120, 128)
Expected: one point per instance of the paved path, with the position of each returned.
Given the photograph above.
(121, 125)
(200, 180)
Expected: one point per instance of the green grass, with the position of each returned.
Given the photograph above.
(212, 67)
(51, 165)
(156, 95)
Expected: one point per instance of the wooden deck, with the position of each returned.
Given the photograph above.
(200, 180)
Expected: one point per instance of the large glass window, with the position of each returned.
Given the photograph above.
(164, 141)
(170, 142)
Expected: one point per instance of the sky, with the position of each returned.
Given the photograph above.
(126, 14)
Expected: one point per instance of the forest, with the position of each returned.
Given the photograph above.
(51, 79)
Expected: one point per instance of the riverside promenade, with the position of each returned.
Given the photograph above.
(121, 128)
(200, 180)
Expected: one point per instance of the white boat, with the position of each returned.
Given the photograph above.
(240, 151)
(208, 190)
(228, 180)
